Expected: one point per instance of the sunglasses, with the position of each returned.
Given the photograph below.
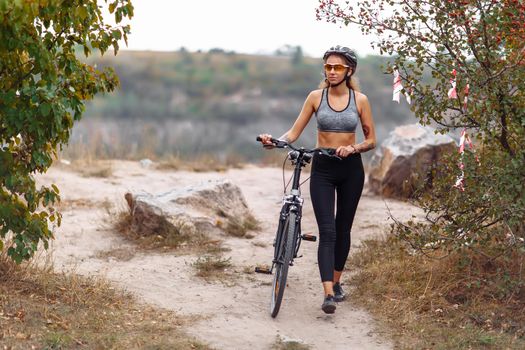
(338, 68)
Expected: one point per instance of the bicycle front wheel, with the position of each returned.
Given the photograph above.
(284, 256)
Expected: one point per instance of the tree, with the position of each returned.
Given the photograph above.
(483, 41)
(43, 86)
(297, 56)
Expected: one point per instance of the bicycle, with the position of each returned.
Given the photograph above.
(288, 236)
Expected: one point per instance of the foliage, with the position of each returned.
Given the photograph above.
(43, 86)
(483, 41)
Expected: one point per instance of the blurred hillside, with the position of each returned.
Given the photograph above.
(215, 102)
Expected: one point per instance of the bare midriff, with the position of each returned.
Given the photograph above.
(328, 139)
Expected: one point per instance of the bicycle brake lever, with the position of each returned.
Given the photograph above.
(280, 143)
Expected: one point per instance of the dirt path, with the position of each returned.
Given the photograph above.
(234, 315)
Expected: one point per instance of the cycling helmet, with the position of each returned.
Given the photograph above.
(344, 51)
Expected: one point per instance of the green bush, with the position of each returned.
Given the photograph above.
(483, 41)
(43, 86)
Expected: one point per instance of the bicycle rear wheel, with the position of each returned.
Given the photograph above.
(285, 254)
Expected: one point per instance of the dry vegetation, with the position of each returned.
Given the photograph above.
(40, 309)
(202, 163)
(237, 227)
(213, 267)
(464, 301)
(210, 266)
(90, 161)
(89, 167)
(163, 236)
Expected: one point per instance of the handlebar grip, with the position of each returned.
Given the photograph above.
(272, 140)
(276, 142)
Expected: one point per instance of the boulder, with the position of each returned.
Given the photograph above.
(404, 159)
(207, 207)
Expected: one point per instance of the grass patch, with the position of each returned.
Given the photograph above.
(159, 235)
(239, 228)
(249, 270)
(93, 168)
(81, 203)
(463, 301)
(41, 309)
(212, 267)
(201, 163)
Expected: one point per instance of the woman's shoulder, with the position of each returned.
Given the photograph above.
(314, 98)
(315, 94)
(360, 97)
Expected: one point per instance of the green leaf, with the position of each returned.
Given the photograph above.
(82, 12)
(43, 78)
(45, 108)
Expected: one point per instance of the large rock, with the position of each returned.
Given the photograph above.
(207, 207)
(404, 159)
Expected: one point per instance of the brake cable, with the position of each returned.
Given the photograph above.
(285, 185)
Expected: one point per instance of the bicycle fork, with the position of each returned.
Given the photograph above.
(289, 206)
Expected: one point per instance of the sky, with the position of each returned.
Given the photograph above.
(243, 26)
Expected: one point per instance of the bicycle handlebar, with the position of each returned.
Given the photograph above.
(283, 144)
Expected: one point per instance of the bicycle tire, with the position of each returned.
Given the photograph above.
(281, 268)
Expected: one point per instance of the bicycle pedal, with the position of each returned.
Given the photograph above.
(309, 237)
(263, 269)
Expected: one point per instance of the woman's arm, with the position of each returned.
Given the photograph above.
(302, 120)
(300, 123)
(367, 124)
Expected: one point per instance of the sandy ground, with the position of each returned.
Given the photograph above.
(232, 314)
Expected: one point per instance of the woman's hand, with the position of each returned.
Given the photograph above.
(345, 151)
(265, 140)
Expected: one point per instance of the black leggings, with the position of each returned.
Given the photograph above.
(346, 178)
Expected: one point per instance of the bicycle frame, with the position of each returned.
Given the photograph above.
(288, 236)
(292, 203)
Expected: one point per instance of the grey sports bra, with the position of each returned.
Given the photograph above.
(328, 119)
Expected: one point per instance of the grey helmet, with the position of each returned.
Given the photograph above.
(344, 51)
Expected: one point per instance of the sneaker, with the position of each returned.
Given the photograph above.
(339, 294)
(329, 304)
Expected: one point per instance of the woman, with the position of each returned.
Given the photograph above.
(337, 106)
